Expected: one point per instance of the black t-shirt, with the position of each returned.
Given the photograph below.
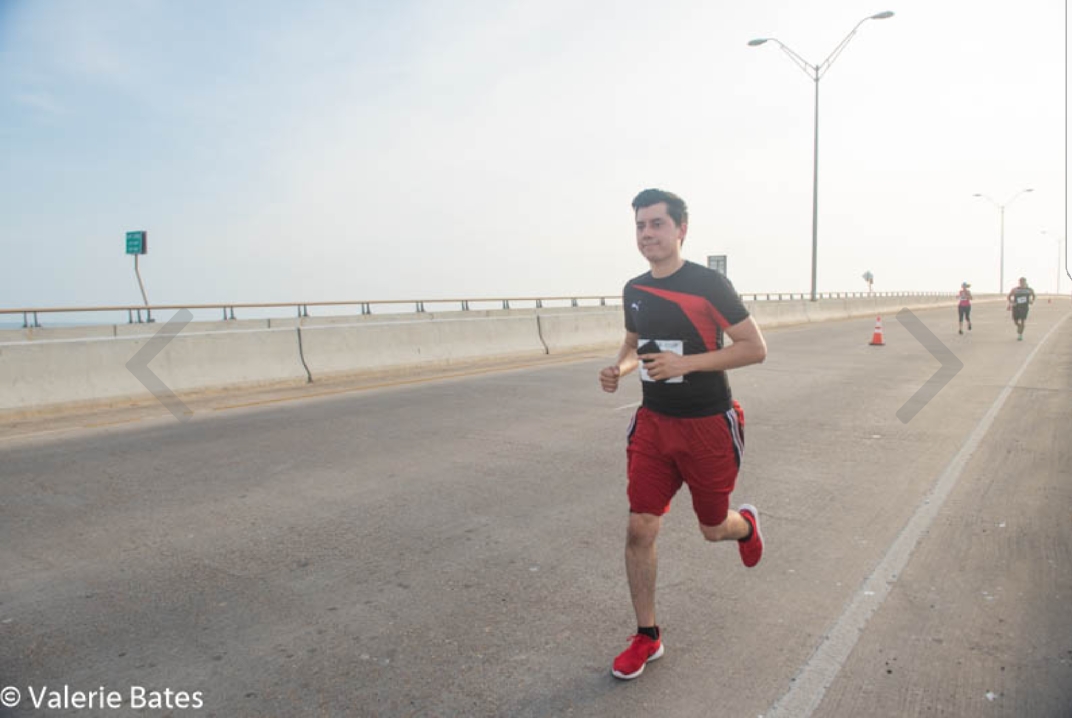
(684, 313)
(1021, 297)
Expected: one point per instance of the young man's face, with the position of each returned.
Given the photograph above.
(658, 238)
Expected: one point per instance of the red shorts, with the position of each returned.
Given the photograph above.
(704, 453)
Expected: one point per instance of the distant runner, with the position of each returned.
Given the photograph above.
(1020, 299)
(964, 306)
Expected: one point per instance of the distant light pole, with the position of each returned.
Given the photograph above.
(1059, 240)
(816, 72)
(1001, 288)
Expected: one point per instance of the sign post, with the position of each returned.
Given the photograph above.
(138, 244)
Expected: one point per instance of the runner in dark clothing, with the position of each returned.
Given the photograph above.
(964, 298)
(688, 430)
(1020, 299)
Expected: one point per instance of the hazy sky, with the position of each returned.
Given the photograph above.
(287, 151)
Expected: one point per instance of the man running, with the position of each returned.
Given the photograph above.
(688, 429)
(1020, 299)
(964, 306)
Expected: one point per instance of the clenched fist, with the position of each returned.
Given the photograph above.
(608, 378)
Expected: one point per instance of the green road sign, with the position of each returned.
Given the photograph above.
(137, 242)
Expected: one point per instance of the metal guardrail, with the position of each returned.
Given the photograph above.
(30, 315)
(804, 296)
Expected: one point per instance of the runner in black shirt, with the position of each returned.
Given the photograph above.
(684, 313)
(688, 430)
(1020, 298)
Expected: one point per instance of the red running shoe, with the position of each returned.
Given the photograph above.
(630, 663)
(752, 547)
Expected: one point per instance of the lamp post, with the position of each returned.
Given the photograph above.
(816, 72)
(1001, 207)
(1057, 285)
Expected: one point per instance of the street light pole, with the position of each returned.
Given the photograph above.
(816, 72)
(1001, 276)
(1001, 207)
(815, 196)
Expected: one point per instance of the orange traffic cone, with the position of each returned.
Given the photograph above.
(876, 338)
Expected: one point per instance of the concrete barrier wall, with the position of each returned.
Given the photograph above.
(44, 373)
(373, 346)
(97, 331)
(575, 330)
(778, 314)
(770, 314)
(239, 358)
(862, 307)
(137, 330)
(41, 368)
(46, 333)
(344, 319)
(827, 310)
(41, 374)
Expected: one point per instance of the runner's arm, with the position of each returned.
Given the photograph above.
(748, 347)
(625, 363)
(627, 359)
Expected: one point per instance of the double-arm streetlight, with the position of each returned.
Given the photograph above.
(816, 72)
(1001, 207)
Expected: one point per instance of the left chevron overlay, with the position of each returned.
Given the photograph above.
(139, 364)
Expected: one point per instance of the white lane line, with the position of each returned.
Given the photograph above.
(627, 406)
(826, 662)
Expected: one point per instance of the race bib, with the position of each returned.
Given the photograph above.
(1021, 300)
(665, 345)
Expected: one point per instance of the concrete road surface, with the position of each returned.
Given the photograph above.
(454, 547)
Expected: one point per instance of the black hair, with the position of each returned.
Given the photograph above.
(675, 206)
